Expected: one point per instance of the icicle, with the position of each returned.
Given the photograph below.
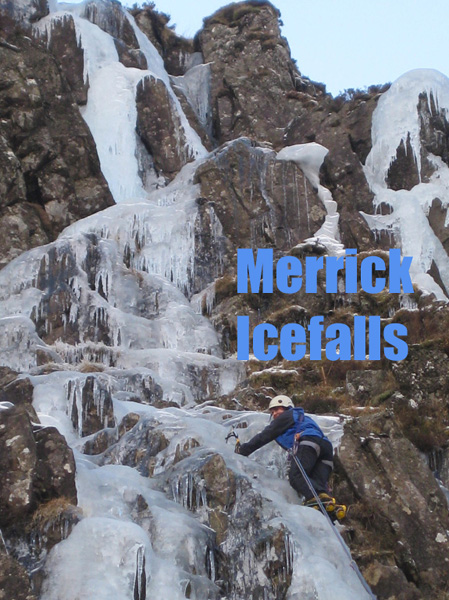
(140, 577)
(3, 542)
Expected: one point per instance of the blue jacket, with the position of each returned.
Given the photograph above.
(303, 425)
(283, 430)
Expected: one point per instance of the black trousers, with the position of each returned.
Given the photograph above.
(316, 457)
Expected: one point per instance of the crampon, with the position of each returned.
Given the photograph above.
(336, 512)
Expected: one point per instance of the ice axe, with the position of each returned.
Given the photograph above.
(237, 441)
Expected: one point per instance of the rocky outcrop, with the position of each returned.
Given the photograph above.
(25, 11)
(65, 47)
(50, 174)
(344, 127)
(110, 17)
(398, 520)
(245, 38)
(259, 201)
(37, 466)
(160, 128)
(178, 53)
(38, 492)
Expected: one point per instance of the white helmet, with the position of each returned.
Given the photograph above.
(283, 401)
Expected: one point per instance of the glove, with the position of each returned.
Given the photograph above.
(237, 447)
(242, 449)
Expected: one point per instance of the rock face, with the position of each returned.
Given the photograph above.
(49, 171)
(245, 38)
(37, 470)
(107, 326)
(160, 129)
(344, 128)
(37, 465)
(25, 11)
(396, 500)
(259, 201)
(178, 53)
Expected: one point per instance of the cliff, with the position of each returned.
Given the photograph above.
(133, 165)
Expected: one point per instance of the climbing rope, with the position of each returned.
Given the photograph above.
(352, 563)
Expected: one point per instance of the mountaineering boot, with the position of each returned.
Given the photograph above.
(335, 511)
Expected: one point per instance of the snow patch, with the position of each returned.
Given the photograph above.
(395, 120)
(309, 158)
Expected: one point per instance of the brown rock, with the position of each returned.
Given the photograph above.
(26, 11)
(389, 582)
(55, 468)
(364, 385)
(259, 201)
(396, 502)
(19, 392)
(50, 170)
(176, 51)
(130, 57)
(344, 128)
(252, 72)
(22, 226)
(69, 53)
(220, 489)
(14, 581)
(35, 466)
(159, 127)
(18, 457)
(111, 17)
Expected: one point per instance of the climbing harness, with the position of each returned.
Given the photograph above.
(352, 563)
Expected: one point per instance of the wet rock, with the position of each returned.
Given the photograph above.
(139, 447)
(127, 423)
(228, 503)
(185, 449)
(99, 442)
(105, 438)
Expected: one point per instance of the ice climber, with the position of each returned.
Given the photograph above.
(295, 431)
